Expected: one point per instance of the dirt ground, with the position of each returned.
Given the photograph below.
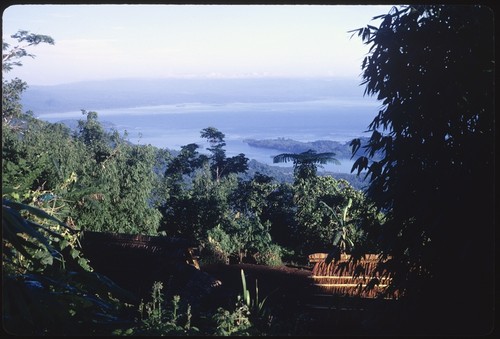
(289, 295)
(270, 280)
(284, 287)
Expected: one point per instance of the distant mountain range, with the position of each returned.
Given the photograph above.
(123, 93)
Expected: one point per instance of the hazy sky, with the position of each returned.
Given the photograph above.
(94, 42)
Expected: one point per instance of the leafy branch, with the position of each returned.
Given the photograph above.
(10, 57)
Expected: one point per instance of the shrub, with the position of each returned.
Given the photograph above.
(218, 247)
(269, 255)
(158, 318)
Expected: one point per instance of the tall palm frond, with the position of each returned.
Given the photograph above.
(310, 157)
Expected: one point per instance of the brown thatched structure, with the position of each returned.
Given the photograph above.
(349, 277)
(135, 262)
(169, 248)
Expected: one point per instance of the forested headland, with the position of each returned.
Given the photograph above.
(427, 209)
(342, 150)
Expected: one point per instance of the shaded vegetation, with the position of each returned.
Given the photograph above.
(432, 67)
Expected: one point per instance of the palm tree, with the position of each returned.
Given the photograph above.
(305, 163)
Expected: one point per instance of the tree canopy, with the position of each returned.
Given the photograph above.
(432, 67)
(11, 55)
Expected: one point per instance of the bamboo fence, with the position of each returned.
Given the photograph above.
(349, 277)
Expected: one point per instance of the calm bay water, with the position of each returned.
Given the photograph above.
(175, 125)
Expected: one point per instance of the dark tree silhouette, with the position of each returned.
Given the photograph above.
(433, 69)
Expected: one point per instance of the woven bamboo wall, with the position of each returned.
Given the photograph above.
(345, 277)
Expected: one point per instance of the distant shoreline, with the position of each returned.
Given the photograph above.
(126, 93)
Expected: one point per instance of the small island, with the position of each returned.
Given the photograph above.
(342, 150)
